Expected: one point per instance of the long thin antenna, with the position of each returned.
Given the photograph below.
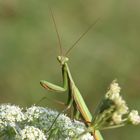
(81, 36)
(56, 29)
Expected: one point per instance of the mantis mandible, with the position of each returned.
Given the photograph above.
(75, 99)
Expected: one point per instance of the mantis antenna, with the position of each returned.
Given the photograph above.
(81, 36)
(56, 29)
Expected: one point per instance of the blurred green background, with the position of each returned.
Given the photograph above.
(111, 49)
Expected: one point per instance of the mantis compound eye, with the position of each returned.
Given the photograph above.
(62, 59)
(59, 58)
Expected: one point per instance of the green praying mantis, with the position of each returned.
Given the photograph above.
(75, 99)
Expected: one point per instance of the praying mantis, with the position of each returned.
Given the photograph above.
(75, 99)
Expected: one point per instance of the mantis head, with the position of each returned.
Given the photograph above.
(62, 59)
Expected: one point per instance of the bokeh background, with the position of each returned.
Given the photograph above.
(111, 49)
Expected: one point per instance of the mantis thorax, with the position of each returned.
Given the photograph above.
(62, 59)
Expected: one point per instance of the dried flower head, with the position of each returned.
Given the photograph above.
(113, 111)
(134, 117)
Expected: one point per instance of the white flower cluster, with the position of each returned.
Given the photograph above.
(30, 133)
(63, 128)
(39, 116)
(10, 115)
(134, 117)
(113, 111)
(120, 104)
(36, 124)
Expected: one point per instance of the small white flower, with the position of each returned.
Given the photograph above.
(117, 118)
(134, 117)
(118, 100)
(114, 87)
(114, 95)
(114, 91)
(123, 109)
